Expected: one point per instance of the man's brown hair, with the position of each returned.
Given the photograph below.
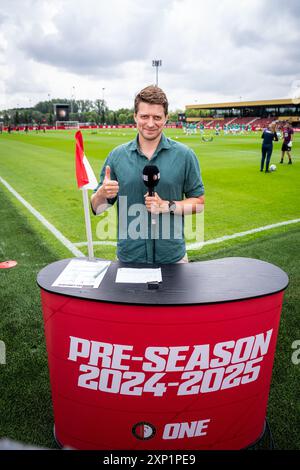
(152, 95)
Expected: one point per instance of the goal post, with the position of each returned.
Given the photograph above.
(67, 125)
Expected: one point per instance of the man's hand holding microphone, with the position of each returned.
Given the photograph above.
(155, 204)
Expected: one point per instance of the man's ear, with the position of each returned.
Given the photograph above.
(167, 117)
(135, 118)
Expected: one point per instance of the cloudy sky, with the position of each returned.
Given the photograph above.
(211, 50)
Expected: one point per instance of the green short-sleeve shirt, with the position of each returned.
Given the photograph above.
(180, 178)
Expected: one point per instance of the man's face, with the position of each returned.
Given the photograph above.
(150, 120)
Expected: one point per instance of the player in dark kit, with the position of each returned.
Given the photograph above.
(287, 142)
(268, 136)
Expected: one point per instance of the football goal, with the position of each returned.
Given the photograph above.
(67, 125)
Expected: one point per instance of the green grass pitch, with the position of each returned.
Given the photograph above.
(238, 197)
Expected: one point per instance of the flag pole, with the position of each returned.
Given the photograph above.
(87, 217)
(85, 180)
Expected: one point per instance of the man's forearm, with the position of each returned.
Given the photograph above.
(99, 202)
(189, 206)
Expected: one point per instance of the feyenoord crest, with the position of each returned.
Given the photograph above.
(143, 431)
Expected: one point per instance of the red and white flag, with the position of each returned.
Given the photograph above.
(86, 178)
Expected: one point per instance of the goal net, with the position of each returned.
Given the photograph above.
(67, 125)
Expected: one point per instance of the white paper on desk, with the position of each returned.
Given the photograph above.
(138, 276)
(82, 273)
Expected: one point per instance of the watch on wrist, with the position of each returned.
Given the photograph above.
(172, 207)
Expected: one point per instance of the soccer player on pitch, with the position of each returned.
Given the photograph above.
(287, 142)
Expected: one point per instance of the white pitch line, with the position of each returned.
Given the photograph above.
(96, 243)
(69, 245)
(194, 246)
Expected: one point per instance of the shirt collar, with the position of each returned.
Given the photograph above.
(164, 143)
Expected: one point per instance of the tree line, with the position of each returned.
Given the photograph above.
(80, 110)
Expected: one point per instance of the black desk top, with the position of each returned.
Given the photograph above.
(206, 282)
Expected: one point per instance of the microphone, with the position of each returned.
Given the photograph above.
(151, 177)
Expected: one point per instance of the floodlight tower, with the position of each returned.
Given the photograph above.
(72, 99)
(49, 99)
(156, 63)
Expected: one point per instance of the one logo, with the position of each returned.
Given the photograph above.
(143, 431)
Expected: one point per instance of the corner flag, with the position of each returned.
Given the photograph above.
(85, 180)
(84, 173)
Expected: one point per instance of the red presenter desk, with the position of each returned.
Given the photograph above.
(186, 366)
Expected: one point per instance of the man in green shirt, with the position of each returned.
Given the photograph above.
(179, 192)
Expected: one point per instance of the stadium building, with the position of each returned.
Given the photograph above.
(257, 114)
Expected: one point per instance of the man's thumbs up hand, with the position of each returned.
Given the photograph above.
(109, 188)
(107, 173)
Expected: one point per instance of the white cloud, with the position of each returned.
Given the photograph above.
(210, 51)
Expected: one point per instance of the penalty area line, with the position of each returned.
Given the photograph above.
(69, 245)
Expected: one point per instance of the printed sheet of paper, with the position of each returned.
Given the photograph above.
(82, 273)
(138, 276)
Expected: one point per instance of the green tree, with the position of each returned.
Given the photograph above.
(16, 118)
(84, 106)
(173, 115)
(192, 113)
(91, 116)
(6, 119)
(130, 118)
(42, 107)
(73, 117)
(37, 116)
(50, 119)
(29, 115)
(83, 117)
(101, 109)
(110, 117)
(128, 113)
(25, 117)
(122, 118)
